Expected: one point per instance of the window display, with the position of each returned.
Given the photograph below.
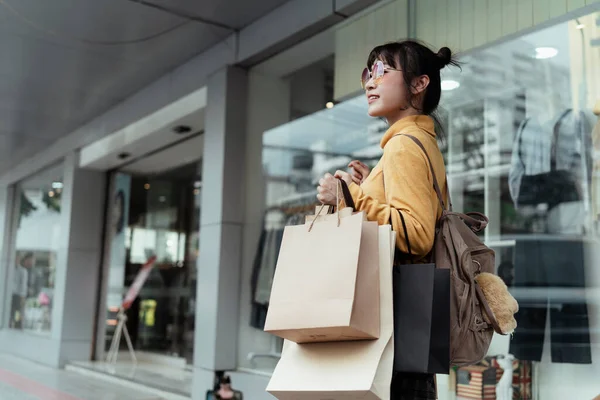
(37, 230)
(521, 146)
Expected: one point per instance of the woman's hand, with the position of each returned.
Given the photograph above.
(328, 190)
(359, 171)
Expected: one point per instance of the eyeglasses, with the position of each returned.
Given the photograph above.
(377, 73)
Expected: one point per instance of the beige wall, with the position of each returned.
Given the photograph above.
(353, 42)
(459, 24)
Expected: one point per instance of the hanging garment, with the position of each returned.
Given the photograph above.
(263, 270)
(550, 267)
(267, 266)
(550, 162)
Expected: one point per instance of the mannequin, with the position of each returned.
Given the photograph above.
(549, 184)
(504, 388)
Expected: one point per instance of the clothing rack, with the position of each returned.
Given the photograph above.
(299, 200)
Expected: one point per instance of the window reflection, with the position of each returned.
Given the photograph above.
(37, 212)
(522, 139)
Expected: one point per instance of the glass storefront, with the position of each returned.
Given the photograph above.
(522, 133)
(37, 230)
(156, 216)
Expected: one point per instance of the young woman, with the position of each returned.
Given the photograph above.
(402, 84)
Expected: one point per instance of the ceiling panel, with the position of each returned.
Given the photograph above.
(65, 62)
(183, 153)
(245, 12)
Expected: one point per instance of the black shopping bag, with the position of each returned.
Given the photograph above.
(421, 319)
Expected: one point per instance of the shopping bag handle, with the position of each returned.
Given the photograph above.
(337, 211)
(347, 195)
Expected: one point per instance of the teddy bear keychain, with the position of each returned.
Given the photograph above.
(502, 304)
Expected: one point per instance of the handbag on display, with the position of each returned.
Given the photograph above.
(552, 187)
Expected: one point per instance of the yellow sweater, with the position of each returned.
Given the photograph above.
(408, 184)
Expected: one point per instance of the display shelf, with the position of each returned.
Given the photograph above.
(480, 140)
(493, 171)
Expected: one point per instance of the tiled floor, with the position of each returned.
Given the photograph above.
(24, 380)
(164, 378)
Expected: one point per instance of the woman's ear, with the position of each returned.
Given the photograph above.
(419, 84)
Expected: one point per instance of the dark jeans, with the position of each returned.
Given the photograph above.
(551, 265)
(406, 386)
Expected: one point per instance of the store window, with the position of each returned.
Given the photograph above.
(155, 216)
(522, 121)
(521, 144)
(37, 234)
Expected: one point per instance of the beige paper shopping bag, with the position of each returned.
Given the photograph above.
(326, 284)
(343, 370)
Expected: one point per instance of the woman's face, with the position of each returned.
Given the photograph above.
(387, 96)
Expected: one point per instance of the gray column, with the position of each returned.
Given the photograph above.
(221, 223)
(6, 228)
(80, 254)
(268, 107)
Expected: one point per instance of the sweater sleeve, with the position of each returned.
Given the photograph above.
(408, 190)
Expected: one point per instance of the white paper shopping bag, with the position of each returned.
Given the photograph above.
(343, 370)
(326, 284)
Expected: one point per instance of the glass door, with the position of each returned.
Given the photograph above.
(157, 216)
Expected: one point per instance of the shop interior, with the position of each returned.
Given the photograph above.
(501, 104)
(162, 195)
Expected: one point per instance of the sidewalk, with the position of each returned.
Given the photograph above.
(25, 380)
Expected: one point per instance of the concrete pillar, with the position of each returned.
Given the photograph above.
(268, 107)
(6, 206)
(80, 254)
(221, 222)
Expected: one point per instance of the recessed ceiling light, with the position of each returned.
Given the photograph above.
(182, 129)
(329, 104)
(542, 53)
(449, 84)
(580, 26)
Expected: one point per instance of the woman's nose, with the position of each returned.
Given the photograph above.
(370, 84)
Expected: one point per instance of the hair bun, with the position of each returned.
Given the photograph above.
(445, 56)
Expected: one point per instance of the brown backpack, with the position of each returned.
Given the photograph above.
(457, 247)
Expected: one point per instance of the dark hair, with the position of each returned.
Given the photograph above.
(415, 59)
(27, 255)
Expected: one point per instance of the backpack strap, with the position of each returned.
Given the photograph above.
(436, 186)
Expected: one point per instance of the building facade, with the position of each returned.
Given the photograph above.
(204, 168)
